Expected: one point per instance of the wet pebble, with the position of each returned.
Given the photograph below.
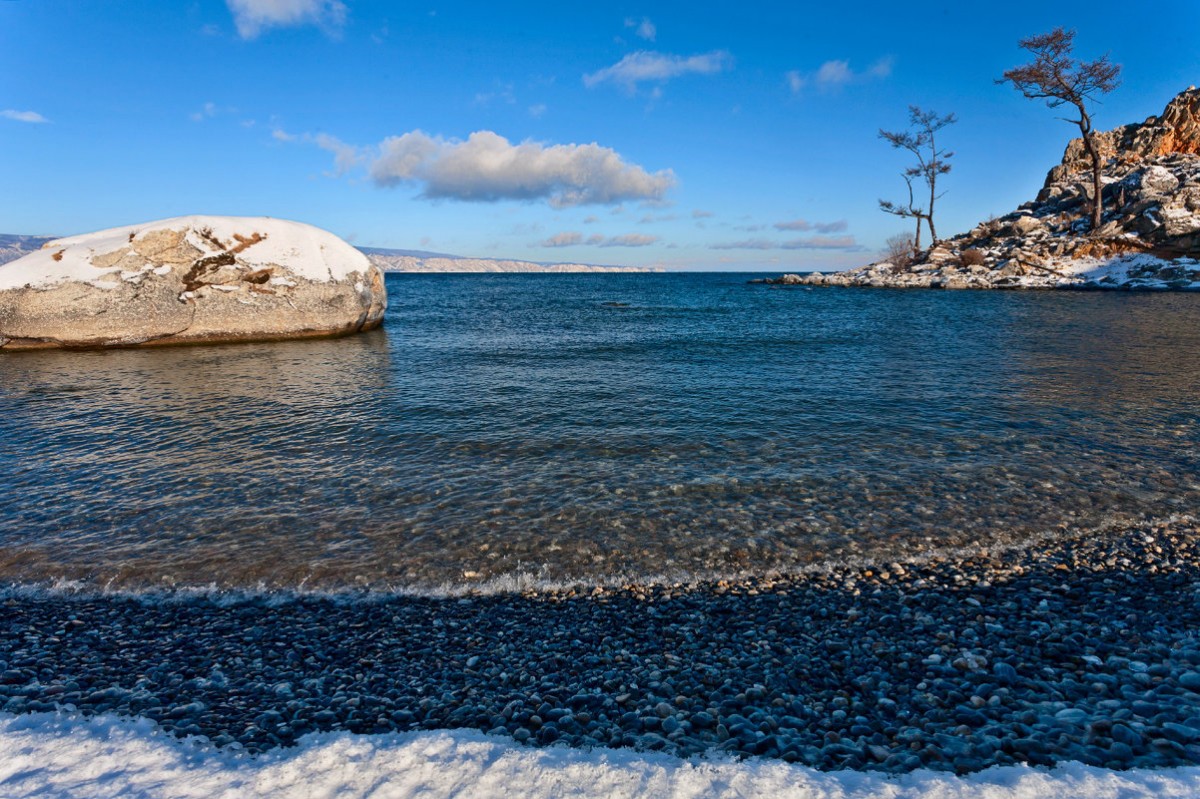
(1076, 649)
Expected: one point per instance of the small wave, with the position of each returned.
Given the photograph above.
(528, 582)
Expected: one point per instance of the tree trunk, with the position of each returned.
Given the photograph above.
(1097, 187)
(933, 239)
(1085, 125)
(917, 240)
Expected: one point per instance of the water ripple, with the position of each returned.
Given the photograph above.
(506, 426)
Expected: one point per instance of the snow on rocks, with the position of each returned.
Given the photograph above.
(1150, 238)
(188, 279)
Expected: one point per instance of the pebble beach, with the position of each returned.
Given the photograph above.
(1077, 647)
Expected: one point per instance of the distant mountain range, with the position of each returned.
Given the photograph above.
(420, 261)
(14, 246)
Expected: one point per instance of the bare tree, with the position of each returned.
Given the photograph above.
(921, 140)
(898, 250)
(907, 211)
(1056, 77)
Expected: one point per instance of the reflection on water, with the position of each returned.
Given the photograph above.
(597, 426)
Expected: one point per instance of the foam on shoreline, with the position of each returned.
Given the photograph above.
(52, 755)
(535, 583)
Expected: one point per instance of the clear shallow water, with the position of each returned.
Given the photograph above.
(599, 427)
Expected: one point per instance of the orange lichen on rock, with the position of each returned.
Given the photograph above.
(1182, 123)
(1107, 248)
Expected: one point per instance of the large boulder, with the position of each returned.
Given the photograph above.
(190, 279)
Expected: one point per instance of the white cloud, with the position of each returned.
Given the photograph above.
(811, 243)
(537, 111)
(211, 110)
(702, 214)
(345, 156)
(591, 219)
(882, 68)
(644, 28)
(503, 93)
(252, 17)
(207, 112)
(487, 167)
(645, 66)
(805, 225)
(32, 117)
(835, 74)
(567, 239)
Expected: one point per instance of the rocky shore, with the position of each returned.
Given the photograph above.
(1081, 647)
(1150, 238)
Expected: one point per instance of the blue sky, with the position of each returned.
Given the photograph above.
(684, 135)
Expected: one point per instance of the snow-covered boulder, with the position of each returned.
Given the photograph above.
(189, 279)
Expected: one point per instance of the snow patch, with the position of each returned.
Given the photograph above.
(304, 250)
(1113, 272)
(59, 755)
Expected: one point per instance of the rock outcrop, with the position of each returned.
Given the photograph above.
(189, 280)
(1150, 237)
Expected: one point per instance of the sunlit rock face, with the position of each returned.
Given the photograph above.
(191, 279)
(1176, 130)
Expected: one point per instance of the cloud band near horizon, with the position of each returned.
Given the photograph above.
(848, 243)
(576, 239)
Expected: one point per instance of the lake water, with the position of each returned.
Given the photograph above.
(507, 428)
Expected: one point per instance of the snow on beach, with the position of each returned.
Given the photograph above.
(62, 755)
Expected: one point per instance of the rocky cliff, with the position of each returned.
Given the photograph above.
(1150, 237)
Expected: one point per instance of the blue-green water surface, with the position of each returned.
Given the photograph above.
(599, 428)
